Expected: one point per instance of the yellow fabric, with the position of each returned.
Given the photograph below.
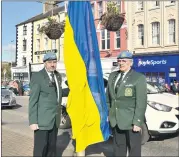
(81, 106)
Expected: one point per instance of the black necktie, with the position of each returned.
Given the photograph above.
(119, 82)
(53, 81)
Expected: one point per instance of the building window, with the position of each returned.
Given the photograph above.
(38, 45)
(172, 2)
(140, 5)
(100, 9)
(53, 44)
(38, 59)
(46, 43)
(171, 31)
(155, 33)
(92, 8)
(24, 61)
(24, 30)
(38, 27)
(141, 34)
(24, 45)
(156, 3)
(118, 40)
(105, 39)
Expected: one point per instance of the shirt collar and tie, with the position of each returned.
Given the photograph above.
(119, 79)
(53, 78)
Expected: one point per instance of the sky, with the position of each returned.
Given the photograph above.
(13, 13)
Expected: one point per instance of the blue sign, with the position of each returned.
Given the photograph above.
(156, 61)
(158, 68)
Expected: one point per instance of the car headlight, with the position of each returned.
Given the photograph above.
(159, 107)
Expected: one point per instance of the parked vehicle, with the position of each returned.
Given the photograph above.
(7, 98)
(162, 113)
(26, 88)
(159, 87)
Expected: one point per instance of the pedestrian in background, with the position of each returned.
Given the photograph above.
(127, 100)
(45, 107)
(175, 87)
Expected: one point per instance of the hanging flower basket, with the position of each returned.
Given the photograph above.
(53, 29)
(112, 20)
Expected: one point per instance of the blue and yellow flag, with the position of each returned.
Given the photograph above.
(86, 105)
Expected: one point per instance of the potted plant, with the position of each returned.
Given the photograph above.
(112, 20)
(53, 29)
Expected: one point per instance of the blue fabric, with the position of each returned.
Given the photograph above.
(49, 56)
(86, 41)
(125, 54)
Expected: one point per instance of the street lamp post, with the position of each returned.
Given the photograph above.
(11, 59)
(11, 52)
(4, 74)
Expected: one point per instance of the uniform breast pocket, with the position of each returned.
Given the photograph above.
(129, 91)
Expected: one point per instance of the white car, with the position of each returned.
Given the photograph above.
(162, 113)
(7, 98)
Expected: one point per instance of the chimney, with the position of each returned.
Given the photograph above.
(48, 5)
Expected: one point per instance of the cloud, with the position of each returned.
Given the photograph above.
(9, 48)
(8, 52)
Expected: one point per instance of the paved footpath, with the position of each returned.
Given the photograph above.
(17, 138)
(15, 144)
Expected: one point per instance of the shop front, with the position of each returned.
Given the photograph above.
(161, 68)
(20, 73)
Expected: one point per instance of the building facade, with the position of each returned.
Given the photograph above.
(24, 48)
(110, 43)
(42, 44)
(152, 28)
(31, 45)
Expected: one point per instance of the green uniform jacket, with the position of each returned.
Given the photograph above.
(128, 106)
(44, 109)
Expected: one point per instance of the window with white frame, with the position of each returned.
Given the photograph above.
(53, 44)
(105, 39)
(38, 45)
(140, 5)
(118, 39)
(156, 33)
(24, 61)
(46, 43)
(24, 45)
(100, 8)
(38, 27)
(156, 3)
(172, 2)
(171, 31)
(92, 8)
(24, 30)
(141, 34)
(38, 59)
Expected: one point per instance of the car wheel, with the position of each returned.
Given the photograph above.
(65, 122)
(65, 119)
(145, 134)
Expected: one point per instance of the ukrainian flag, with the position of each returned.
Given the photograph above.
(86, 105)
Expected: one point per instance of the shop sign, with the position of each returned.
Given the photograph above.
(147, 62)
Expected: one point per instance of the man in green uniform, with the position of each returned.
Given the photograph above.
(127, 100)
(45, 106)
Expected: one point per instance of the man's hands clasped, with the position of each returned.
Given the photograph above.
(34, 127)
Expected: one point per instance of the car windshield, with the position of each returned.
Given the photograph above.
(151, 89)
(4, 92)
(157, 86)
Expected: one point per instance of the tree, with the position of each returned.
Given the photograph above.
(6, 67)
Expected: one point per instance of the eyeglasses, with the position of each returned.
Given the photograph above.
(52, 61)
(123, 60)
